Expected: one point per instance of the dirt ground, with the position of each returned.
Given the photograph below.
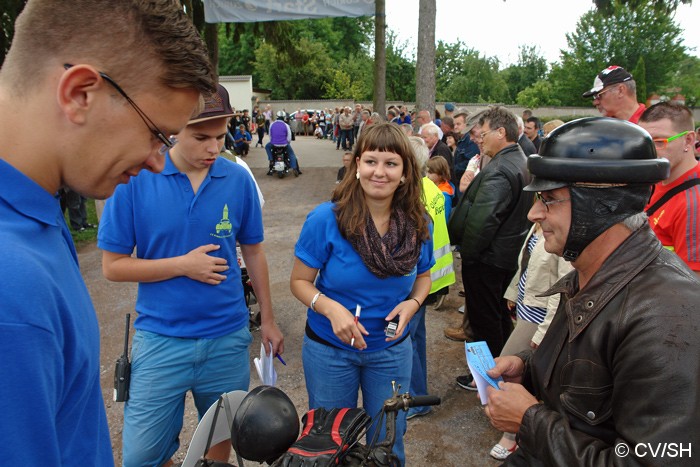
(457, 433)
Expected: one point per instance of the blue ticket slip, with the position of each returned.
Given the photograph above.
(480, 360)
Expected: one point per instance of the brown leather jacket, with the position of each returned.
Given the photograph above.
(620, 363)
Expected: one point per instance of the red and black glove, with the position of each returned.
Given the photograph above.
(326, 436)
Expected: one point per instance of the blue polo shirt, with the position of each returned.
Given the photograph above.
(50, 396)
(161, 216)
(345, 278)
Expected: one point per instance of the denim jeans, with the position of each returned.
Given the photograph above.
(345, 139)
(292, 157)
(163, 370)
(419, 372)
(334, 376)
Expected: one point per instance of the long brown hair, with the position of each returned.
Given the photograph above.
(351, 209)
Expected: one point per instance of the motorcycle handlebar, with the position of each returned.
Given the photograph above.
(420, 401)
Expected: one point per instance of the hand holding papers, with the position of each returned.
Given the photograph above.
(264, 366)
(480, 360)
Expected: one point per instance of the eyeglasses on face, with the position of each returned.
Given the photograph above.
(168, 143)
(662, 143)
(483, 134)
(597, 95)
(548, 202)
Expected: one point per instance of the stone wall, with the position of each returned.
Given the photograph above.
(547, 113)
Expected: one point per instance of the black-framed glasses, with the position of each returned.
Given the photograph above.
(168, 143)
(547, 202)
(662, 143)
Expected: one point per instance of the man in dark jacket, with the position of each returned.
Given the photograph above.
(489, 225)
(431, 135)
(466, 148)
(527, 146)
(615, 379)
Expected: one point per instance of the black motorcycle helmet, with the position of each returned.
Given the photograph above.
(609, 166)
(266, 424)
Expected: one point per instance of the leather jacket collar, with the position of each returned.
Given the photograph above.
(633, 255)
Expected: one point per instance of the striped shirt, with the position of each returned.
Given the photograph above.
(531, 314)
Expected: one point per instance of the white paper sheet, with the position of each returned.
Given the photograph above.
(265, 367)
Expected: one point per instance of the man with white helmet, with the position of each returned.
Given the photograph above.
(281, 135)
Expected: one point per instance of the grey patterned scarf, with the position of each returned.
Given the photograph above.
(395, 254)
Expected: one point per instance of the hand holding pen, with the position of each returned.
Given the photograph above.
(357, 320)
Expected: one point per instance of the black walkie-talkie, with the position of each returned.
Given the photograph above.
(122, 370)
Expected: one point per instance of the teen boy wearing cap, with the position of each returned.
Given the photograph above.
(92, 138)
(616, 375)
(614, 94)
(192, 329)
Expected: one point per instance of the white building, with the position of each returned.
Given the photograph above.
(241, 92)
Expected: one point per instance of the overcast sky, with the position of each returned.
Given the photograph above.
(497, 29)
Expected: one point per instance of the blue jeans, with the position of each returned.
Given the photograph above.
(292, 157)
(163, 370)
(419, 372)
(345, 139)
(334, 376)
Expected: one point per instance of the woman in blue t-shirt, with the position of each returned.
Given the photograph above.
(370, 247)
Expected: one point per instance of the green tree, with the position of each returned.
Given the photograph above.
(660, 6)
(464, 76)
(449, 60)
(300, 78)
(686, 79)
(531, 67)
(400, 71)
(620, 39)
(537, 95)
(352, 79)
(640, 78)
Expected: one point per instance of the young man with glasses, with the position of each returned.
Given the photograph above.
(614, 94)
(674, 207)
(489, 225)
(192, 329)
(626, 325)
(71, 128)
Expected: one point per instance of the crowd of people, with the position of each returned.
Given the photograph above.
(590, 244)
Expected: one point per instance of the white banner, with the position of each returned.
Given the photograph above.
(249, 11)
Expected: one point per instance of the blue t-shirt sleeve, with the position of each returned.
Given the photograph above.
(251, 231)
(312, 248)
(426, 260)
(116, 231)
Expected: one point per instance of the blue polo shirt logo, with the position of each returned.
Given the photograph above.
(224, 227)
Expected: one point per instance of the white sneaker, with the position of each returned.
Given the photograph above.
(439, 302)
(500, 453)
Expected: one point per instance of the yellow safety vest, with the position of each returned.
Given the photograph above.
(443, 273)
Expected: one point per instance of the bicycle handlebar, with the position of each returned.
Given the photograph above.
(420, 401)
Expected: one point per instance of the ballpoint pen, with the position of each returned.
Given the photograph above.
(357, 319)
(280, 359)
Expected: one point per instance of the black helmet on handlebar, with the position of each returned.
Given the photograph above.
(266, 424)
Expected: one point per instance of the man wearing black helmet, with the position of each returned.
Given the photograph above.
(616, 375)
